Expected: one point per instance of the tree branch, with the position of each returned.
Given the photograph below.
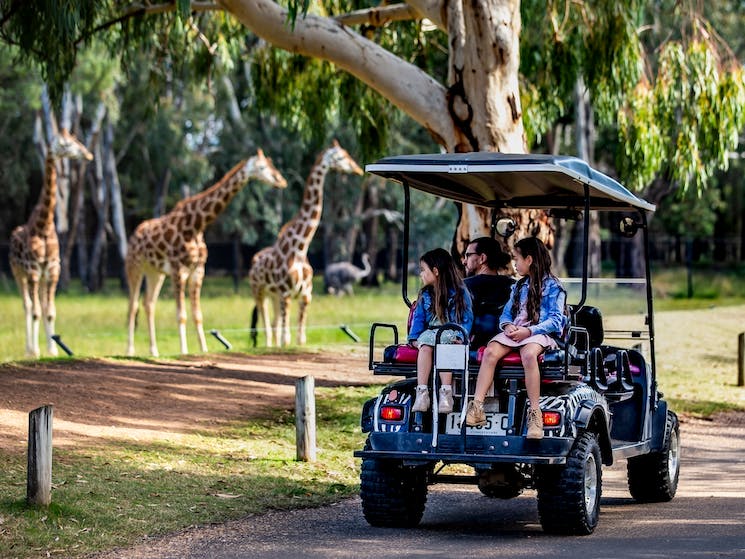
(378, 17)
(138, 10)
(433, 10)
(405, 85)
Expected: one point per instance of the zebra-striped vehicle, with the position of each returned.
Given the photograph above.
(599, 396)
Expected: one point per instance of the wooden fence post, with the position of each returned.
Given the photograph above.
(39, 481)
(305, 419)
(741, 359)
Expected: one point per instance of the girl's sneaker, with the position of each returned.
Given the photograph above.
(445, 403)
(421, 403)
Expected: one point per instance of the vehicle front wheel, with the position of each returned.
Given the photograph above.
(653, 478)
(392, 494)
(569, 495)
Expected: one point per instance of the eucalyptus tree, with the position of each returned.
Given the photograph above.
(497, 90)
(20, 99)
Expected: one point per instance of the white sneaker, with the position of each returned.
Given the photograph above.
(421, 403)
(445, 399)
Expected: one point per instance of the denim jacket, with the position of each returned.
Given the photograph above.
(424, 316)
(551, 320)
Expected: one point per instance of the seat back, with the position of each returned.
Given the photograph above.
(484, 328)
(591, 320)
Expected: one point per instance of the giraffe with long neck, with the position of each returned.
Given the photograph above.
(282, 272)
(174, 244)
(34, 248)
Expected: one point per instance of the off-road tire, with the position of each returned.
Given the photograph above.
(392, 495)
(569, 495)
(653, 478)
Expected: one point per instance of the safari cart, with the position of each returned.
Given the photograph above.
(599, 395)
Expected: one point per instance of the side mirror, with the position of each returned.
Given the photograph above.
(506, 226)
(627, 227)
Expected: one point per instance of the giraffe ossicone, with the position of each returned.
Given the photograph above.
(34, 248)
(282, 272)
(173, 244)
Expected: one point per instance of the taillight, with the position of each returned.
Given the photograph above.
(551, 419)
(392, 413)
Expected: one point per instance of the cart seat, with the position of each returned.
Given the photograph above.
(404, 354)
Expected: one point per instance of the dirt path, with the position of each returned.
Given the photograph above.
(122, 399)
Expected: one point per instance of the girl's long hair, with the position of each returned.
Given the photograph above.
(448, 278)
(539, 269)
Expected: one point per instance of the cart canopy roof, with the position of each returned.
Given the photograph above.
(509, 180)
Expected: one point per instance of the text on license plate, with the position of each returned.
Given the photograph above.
(496, 424)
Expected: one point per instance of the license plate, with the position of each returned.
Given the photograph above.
(496, 424)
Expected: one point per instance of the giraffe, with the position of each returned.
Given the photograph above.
(282, 272)
(34, 248)
(174, 244)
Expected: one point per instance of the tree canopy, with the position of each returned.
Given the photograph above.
(491, 75)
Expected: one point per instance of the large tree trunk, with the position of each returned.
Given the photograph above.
(100, 201)
(585, 139)
(77, 196)
(111, 176)
(479, 110)
(371, 227)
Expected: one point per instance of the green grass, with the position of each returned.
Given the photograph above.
(113, 494)
(95, 324)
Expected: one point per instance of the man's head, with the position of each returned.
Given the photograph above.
(484, 256)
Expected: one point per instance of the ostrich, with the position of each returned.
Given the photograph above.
(339, 277)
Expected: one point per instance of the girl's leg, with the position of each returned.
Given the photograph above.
(529, 355)
(493, 354)
(423, 364)
(423, 369)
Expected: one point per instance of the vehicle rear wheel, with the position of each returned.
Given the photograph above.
(653, 478)
(569, 495)
(392, 494)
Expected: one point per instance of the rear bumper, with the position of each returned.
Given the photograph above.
(417, 447)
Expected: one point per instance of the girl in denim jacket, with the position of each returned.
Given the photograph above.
(443, 298)
(531, 319)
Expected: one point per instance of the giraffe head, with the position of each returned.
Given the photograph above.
(261, 168)
(339, 160)
(65, 145)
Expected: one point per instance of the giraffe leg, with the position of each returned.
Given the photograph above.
(28, 311)
(277, 319)
(303, 305)
(306, 295)
(268, 325)
(195, 289)
(48, 307)
(134, 279)
(283, 328)
(179, 289)
(33, 287)
(153, 284)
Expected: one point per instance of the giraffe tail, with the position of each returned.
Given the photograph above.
(254, 319)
